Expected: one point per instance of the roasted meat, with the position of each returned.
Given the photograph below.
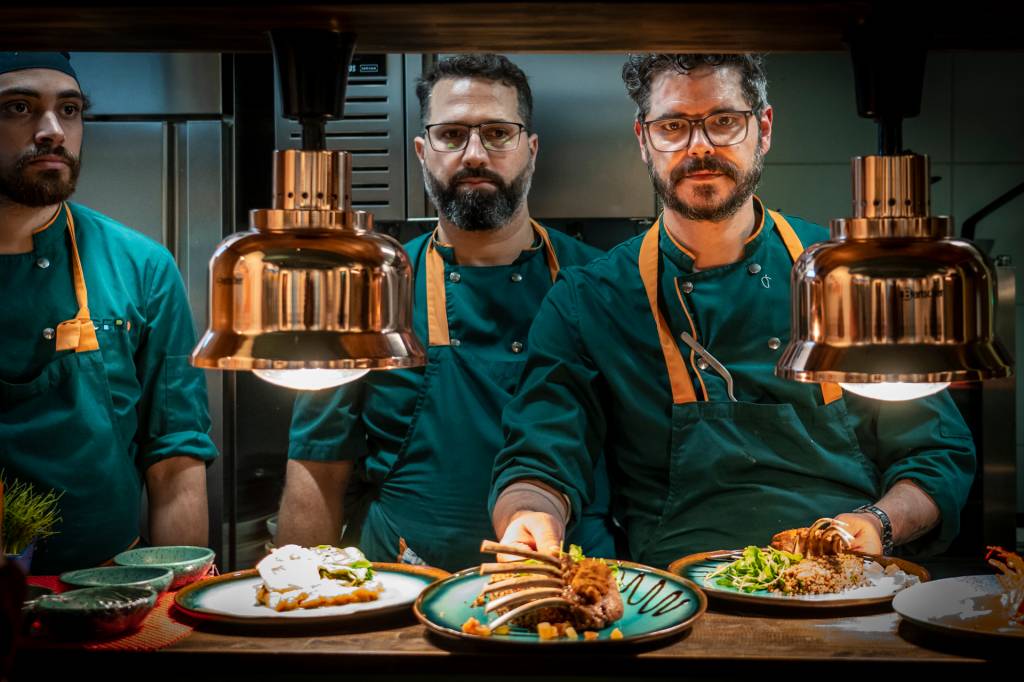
(550, 589)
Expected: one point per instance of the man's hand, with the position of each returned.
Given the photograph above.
(533, 530)
(178, 513)
(866, 530)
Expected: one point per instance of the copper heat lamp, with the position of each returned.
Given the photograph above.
(893, 306)
(310, 297)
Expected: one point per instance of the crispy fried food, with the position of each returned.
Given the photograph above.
(1011, 577)
(824, 537)
(311, 598)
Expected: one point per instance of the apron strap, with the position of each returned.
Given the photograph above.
(549, 251)
(678, 377)
(78, 333)
(829, 392)
(437, 302)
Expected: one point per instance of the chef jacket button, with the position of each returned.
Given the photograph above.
(454, 277)
(774, 343)
(49, 333)
(517, 347)
(753, 268)
(516, 277)
(702, 364)
(687, 287)
(43, 263)
(455, 343)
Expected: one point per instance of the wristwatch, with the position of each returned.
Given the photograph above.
(887, 546)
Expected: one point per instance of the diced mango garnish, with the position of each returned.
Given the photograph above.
(616, 634)
(570, 632)
(589, 635)
(547, 631)
(475, 627)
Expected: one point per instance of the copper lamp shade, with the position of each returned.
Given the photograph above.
(893, 297)
(310, 286)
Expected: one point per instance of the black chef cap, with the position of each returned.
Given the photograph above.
(18, 61)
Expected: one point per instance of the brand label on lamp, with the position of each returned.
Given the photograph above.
(928, 293)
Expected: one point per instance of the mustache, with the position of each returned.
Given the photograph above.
(476, 174)
(710, 164)
(39, 152)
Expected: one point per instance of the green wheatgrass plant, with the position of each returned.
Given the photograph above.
(28, 515)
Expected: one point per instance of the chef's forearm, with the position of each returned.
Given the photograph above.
(528, 495)
(311, 507)
(911, 511)
(178, 511)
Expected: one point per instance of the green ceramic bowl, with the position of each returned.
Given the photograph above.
(188, 563)
(94, 612)
(155, 577)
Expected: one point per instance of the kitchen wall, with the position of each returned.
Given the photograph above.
(153, 113)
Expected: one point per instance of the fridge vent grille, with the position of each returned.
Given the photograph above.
(373, 131)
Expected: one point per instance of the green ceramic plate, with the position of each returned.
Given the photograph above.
(188, 563)
(696, 567)
(94, 612)
(657, 605)
(231, 599)
(133, 576)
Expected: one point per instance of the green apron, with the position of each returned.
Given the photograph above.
(65, 416)
(733, 460)
(442, 522)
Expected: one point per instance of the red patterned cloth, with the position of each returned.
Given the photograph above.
(160, 629)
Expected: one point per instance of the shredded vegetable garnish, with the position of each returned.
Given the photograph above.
(760, 568)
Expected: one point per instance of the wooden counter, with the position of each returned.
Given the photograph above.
(723, 644)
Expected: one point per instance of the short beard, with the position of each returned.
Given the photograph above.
(746, 184)
(47, 188)
(476, 210)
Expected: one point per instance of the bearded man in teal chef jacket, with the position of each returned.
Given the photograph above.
(403, 458)
(96, 393)
(696, 466)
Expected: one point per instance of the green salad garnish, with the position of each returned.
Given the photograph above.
(576, 554)
(348, 564)
(760, 568)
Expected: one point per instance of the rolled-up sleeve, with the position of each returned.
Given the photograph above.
(927, 442)
(327, 425)
(174, 417)
(554, 426)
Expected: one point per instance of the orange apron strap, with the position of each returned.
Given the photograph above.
(437, 304)
(549, 251)
(679, 378)
(77, 334)
(829, 392)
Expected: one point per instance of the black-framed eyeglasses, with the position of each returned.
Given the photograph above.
(496, 136)
(722, 129)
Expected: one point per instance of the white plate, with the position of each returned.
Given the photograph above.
(232, 598)
(697, 567)
(970, 605)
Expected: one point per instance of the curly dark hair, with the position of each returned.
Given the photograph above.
(640, 69)
(492, 67)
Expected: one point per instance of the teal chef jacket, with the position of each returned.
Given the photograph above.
(87, 423)
(425, 439)
(712, 473)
